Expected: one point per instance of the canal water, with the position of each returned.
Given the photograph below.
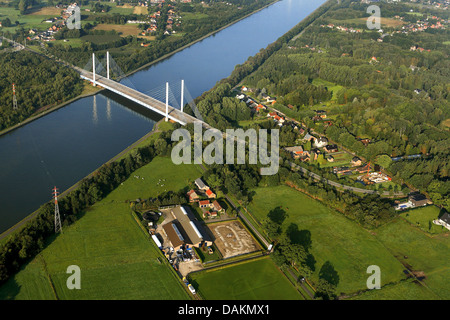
(64, 146)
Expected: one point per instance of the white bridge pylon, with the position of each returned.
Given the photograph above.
(163, 108)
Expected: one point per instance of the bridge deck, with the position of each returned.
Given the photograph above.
(141, 98)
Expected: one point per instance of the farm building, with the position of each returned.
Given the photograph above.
(184, 230)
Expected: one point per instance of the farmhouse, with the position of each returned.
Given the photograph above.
(184, 230)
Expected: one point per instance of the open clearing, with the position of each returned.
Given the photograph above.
(255, 280)
(140, 10)
(48, 11)
(117, 260)
(124, 29)
(232, 239)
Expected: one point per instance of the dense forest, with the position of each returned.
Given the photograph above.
(38, 81)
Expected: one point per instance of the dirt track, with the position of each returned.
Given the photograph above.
(231, 238)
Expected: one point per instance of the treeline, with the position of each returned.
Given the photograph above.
(39, 82)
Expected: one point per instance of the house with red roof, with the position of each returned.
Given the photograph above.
(210, 194)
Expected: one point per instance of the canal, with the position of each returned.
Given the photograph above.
(64, 146)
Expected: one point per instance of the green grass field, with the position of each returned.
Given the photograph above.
(256, 280)
(334, 238)
(424, 253)
(423, 218)
(406, 290)
(117, 260)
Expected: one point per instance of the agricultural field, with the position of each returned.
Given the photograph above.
(117, 260)
(333, 238)
(255, 280)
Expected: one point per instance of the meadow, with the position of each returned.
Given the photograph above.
(255, 280)
(335, 239)
(419, 252)
(117, 260)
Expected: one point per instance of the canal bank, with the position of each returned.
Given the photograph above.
(16, 228)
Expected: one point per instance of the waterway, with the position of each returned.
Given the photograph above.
(64, 146)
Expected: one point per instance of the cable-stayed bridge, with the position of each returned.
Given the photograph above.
(163, 108)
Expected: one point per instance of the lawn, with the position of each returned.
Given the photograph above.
(255, 280)
(423, 218)
(348, 247)
(117, 260)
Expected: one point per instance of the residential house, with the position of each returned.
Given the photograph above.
(331, 148)
(192, 196)
(297, 152)
(444, 220)
(320, 142)
(201, 185)
(418, 200)
(217, 207)
(356, 161)
(210, 194)
(205, 204)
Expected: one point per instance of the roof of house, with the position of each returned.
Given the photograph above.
(217, 205)
(203, 202)
(296, 149)
(199, 182)
(209, 192)
(418, 197)
(445, 217)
